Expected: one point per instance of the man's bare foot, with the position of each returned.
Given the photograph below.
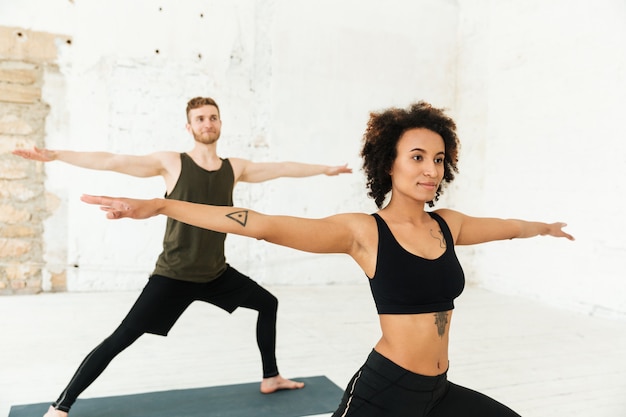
(277, 383)
(53, 412)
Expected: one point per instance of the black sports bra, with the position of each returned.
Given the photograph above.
(409, 284)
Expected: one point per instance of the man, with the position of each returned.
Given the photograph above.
(192, 265)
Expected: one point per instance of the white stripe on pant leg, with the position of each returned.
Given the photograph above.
(75, 376)
(351, 392)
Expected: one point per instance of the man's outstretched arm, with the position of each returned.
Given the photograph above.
(136, 165)
(263, 171)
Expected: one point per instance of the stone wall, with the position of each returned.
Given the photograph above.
(25, 58)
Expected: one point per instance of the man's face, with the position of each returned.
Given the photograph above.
(205, 124)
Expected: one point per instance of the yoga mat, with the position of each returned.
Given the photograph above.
(319, 396)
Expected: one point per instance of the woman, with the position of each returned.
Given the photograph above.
(406, 252)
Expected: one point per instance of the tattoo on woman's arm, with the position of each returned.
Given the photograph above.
(441, 321)
(240, 217)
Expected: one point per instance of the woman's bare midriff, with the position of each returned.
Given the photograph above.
(416, 342)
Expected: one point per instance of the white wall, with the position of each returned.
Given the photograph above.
(295, 80)
(537, 89)
(542, 91)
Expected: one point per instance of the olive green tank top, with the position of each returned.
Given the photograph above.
(191, 253)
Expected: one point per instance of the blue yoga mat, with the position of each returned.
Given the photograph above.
(319, 396)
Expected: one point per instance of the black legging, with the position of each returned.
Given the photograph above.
(99, 358)
(94, 364)
(383, 388)
(266, 304)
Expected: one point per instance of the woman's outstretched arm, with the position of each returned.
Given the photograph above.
(334, 234)
(470, 230)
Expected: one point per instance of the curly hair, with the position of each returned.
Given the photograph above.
(197, 102)
(382, 134)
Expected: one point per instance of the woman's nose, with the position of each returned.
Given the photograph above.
(430, 169)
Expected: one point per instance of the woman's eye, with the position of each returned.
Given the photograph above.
(418, 157)
(439, 161)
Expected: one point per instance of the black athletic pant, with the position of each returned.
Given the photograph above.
(254, 297)
(382, 388)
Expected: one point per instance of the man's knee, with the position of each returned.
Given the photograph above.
(270, 302)
(121, 338)
(266, 301)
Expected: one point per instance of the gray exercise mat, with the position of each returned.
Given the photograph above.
(319, 396)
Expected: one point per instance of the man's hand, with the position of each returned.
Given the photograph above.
(120, 207)
(36, 154)
(556, 230)
(340, 169)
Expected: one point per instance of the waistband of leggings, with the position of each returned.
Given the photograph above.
(392, 371)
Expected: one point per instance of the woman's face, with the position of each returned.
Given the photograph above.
(419, 165)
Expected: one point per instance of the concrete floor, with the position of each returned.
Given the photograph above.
(540, 361)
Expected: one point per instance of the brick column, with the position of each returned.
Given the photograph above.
(25, 57)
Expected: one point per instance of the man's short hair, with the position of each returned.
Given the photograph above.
(198, 102)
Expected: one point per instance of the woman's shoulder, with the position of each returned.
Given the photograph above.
(354, 218)
(453, 218)
(361, 225)
(447, 213)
